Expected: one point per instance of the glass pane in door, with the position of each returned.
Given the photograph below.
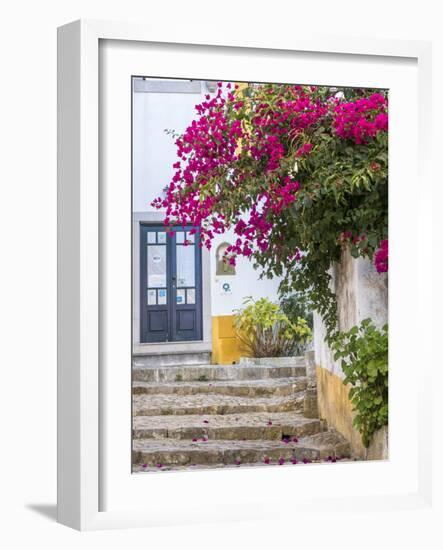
(162, 296)
(156, 266)
(190, 293)
(185, 266)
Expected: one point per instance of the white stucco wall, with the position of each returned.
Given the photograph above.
(245, 282)
(361, 293)
(154, 153)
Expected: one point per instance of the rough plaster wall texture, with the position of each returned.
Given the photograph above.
(379, 447)
(345, 280)
(372, 293)
(361, 293)
(343, 285)
(323, 355)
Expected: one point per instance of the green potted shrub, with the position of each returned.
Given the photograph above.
(265, 331)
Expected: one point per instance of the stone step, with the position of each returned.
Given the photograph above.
(273, 426)
(277, 387)
(295, 361)
(205, 373)
(153, 355)
(152, 453)
(170, 404)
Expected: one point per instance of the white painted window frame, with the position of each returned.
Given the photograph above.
(79, 291)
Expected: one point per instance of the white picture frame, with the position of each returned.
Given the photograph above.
(81, 395)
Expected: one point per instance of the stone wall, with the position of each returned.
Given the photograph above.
(361, 293)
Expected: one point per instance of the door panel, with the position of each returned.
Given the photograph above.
(186, 274)
(154, 275)
(158, 321)
(170, 279)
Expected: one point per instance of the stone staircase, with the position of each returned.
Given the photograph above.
(194, 416)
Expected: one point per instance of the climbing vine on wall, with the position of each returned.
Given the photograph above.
(363, 353)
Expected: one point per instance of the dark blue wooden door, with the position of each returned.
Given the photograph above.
(170, 284)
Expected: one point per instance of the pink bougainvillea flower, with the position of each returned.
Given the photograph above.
(204, 439)
(237, 461)
(381, 257)
(144, 466)
(159, 465)
(194, 439)
(295, 439)
(266, 460)
(206, 421)
(294, 460)
(360, 120)
(281, 461)
(269, 422)
(304, 150)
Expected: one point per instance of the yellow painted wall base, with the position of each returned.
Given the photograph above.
(225, 344)
(335, 407)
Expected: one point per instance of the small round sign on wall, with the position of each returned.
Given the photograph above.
(226, 288)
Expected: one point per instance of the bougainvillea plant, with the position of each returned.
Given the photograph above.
(298, 173)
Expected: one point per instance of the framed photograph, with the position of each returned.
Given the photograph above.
(235, 277)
